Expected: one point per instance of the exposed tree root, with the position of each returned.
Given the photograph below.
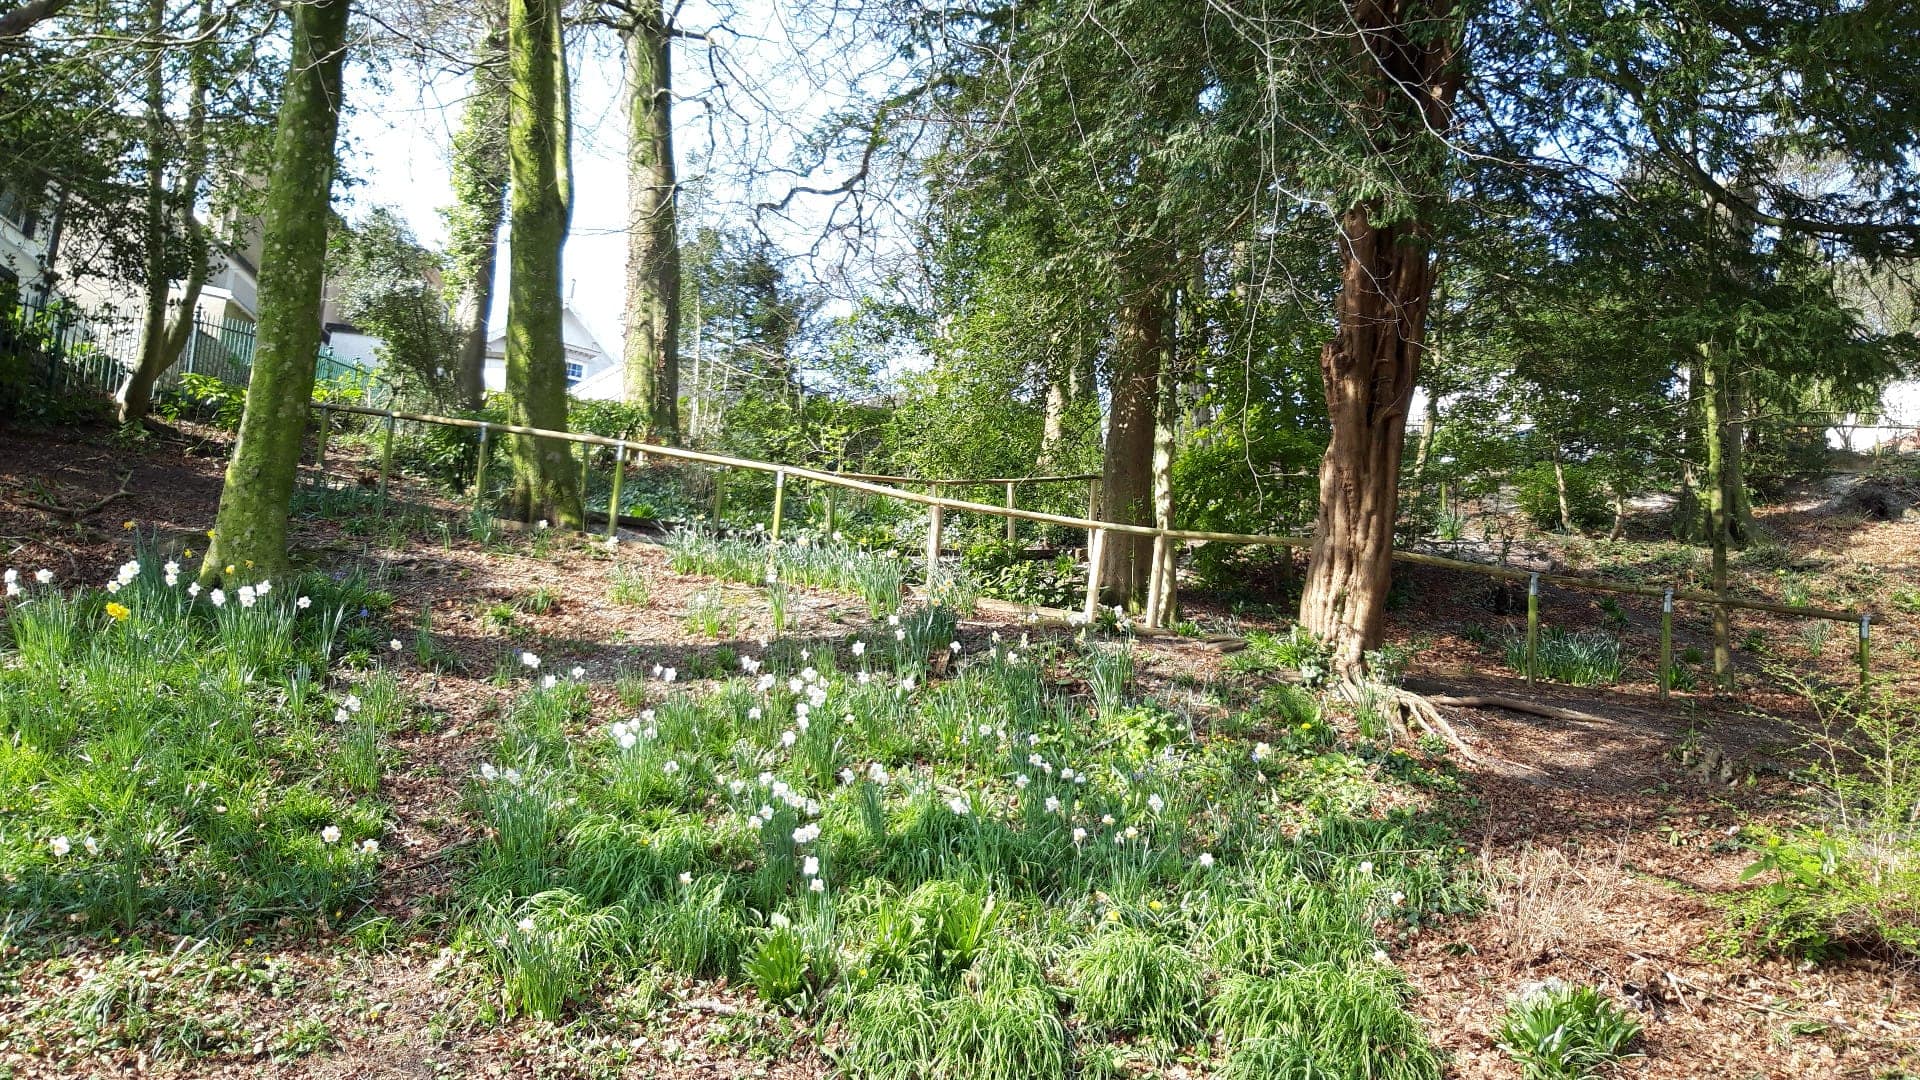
(1405, 709)
(1534, 708)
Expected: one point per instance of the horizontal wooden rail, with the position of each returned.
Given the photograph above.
(852, 483)
(879, 478)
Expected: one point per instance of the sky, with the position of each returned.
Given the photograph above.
(398, 131)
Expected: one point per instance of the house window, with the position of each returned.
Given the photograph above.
(575, 372)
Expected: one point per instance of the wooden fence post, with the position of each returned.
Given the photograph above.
(1666, 644)
(320, 445)
(480, 468)
(831, 491)
(1159, 587)
(586, 461)
(1093, 499)
(1865, 620)
(386, 462)
(935, 519)
(613, 501)
(1533, 624)
(1096, 554)
(719, 489)
(1012, 535)
(779, 499)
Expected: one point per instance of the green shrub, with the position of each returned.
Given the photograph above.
(1536, 491)
(1850, 880)
(1560, 1032)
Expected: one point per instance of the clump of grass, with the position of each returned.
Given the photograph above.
(1110, 675)
(540, 949)
(1127, 980)
(630, 587)
(707, 614)
(1323, 1019)
(1577, 658)
(1561, 1032)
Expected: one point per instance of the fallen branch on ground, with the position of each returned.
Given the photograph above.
(77, 514)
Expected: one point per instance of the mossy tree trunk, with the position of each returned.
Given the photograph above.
(1126, 473)
(545, 484)
(1713, 393)
(250, 532)
(653, 239)
(480, 206)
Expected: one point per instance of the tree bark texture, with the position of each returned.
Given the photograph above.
(545, 483)
(250, 532)
(653, 240)
(137, 389)
(158, 355)
(1370, 366)
(1713, 389)
(1126, 473)
(480, 206)
(1162, 591)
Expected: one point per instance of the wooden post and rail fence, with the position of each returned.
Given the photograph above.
(937, 505)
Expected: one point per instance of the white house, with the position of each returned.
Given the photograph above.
(592, 374)
(23, 246)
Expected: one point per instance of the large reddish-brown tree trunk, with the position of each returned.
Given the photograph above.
(1386, 282)
(1126, 473)
(1369, 369)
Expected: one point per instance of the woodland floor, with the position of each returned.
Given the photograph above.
(1603, 856)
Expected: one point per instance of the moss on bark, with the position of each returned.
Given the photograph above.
(250, 533)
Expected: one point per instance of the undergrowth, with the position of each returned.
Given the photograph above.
(184, 759)
(960, 868)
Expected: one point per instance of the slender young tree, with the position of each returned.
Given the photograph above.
(480, 206)
(653, 241)
(162, 341)
(249, 539)
(545, 486)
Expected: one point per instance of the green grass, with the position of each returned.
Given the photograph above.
(171, 764)
(876, 577)
(1560, 1032)
(1577, 658)
(956, 871)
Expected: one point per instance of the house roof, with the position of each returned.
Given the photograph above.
(580, 342)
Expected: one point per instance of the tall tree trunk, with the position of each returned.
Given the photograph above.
(1162, 593)
(545, 484)
(1054, 420)
(1370, 367)
(250, 532)
(653, 240)
(1126, 473)
(1560, 491)
(1714, 399)
(137, 388)
(157, 356)
(480, 206)
(1739, 505)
